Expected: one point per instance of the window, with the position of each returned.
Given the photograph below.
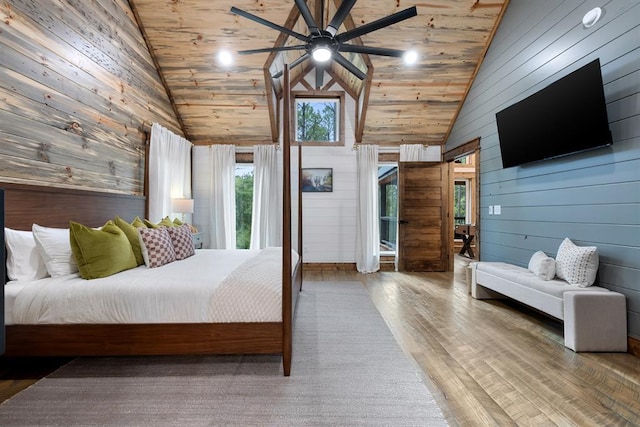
(244, 204)
(318, 117)
(465, 160)
(461, 200)
(388, 198)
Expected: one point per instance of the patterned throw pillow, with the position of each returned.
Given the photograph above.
(182, 241)
(157, 248)
(578, 265)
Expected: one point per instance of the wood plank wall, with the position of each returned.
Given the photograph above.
(78, 91)
(591, 197)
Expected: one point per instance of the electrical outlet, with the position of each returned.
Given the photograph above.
(497, 210)
(490, 210)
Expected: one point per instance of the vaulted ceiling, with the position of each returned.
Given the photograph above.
(398, 104)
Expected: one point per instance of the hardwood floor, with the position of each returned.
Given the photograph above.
(488, 363)
(493, 363)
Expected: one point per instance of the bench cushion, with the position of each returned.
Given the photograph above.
(521, 275)
(522, 285)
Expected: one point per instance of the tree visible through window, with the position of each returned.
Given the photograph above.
(317, 120)
(460, 202)
(244, 205)
(318, 117)
(388, 198)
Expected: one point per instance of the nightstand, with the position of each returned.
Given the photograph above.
(197, 240)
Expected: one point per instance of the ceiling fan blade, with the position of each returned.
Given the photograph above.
(376, 25)
(295, 63)
(340, 16)
(319, 76)
(272, 49)
(269, 24)
(397, 53)
(308, 17)
(349, 66)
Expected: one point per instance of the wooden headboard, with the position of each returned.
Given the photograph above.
(55, 207)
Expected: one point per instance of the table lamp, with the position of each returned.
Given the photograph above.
(182, 206)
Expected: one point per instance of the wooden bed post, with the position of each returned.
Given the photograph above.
(300, 247)
(287, 306)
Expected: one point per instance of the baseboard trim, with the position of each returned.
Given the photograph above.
(330, 266)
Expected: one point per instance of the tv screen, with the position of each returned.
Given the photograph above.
(568, 116)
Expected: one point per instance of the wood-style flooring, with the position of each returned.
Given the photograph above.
(498, 363)
(488, 363)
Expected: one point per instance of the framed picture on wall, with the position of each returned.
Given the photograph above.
(317, 180)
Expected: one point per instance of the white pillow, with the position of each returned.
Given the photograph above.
(23, 258)
(55, 248)
(578, 265)
(542, 266)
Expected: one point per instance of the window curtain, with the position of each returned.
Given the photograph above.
(367, 220)
(266, 224)
(413, 153)
(222, 208)
(169, 171)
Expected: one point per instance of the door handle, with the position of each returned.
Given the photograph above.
(403, 221)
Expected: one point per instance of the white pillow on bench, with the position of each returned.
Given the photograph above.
(542, 266)
(578, 265)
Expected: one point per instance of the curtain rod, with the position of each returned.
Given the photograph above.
(387, 149)
(249, 149)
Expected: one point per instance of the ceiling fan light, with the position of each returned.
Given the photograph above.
(321, 54)
(410, 57)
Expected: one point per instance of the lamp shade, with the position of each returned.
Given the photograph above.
(182, 205)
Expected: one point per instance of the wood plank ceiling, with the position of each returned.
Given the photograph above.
(230, 104)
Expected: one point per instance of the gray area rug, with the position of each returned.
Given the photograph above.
(347, 370)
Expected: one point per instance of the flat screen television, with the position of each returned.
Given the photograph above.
(568, 116)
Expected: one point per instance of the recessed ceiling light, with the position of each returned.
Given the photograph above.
(321, 54)
(410, 57)
(591, 17)
(225, 57)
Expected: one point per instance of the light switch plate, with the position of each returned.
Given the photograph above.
(497, 209)
(490, 210)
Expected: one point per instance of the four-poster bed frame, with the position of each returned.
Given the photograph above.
(55, 207)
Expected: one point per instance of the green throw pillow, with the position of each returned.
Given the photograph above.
(177, 222)
(134, 239)
(100, 253)
(150, 224)
(137, 223)
(166, 222)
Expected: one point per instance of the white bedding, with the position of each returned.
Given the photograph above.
(201, 288)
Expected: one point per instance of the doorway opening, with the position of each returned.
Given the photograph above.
(465, 191)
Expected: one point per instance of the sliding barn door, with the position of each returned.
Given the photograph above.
(423, 212)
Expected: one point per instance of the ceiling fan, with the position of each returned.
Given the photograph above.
(323, 45)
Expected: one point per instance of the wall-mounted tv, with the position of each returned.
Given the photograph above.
(568, 116)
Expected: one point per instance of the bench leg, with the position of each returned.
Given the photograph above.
(595, 321)
(478, 291)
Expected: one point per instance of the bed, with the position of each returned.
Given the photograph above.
(55, 207)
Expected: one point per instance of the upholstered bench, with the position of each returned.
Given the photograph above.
(595, 319)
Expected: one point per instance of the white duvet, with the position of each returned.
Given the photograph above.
(211, 286)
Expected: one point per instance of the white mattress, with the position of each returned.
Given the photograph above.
(179, 292)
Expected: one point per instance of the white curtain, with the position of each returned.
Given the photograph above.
(169, 171)
(266, 224)
(368, 212)
(413, 153)
(222, 209)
